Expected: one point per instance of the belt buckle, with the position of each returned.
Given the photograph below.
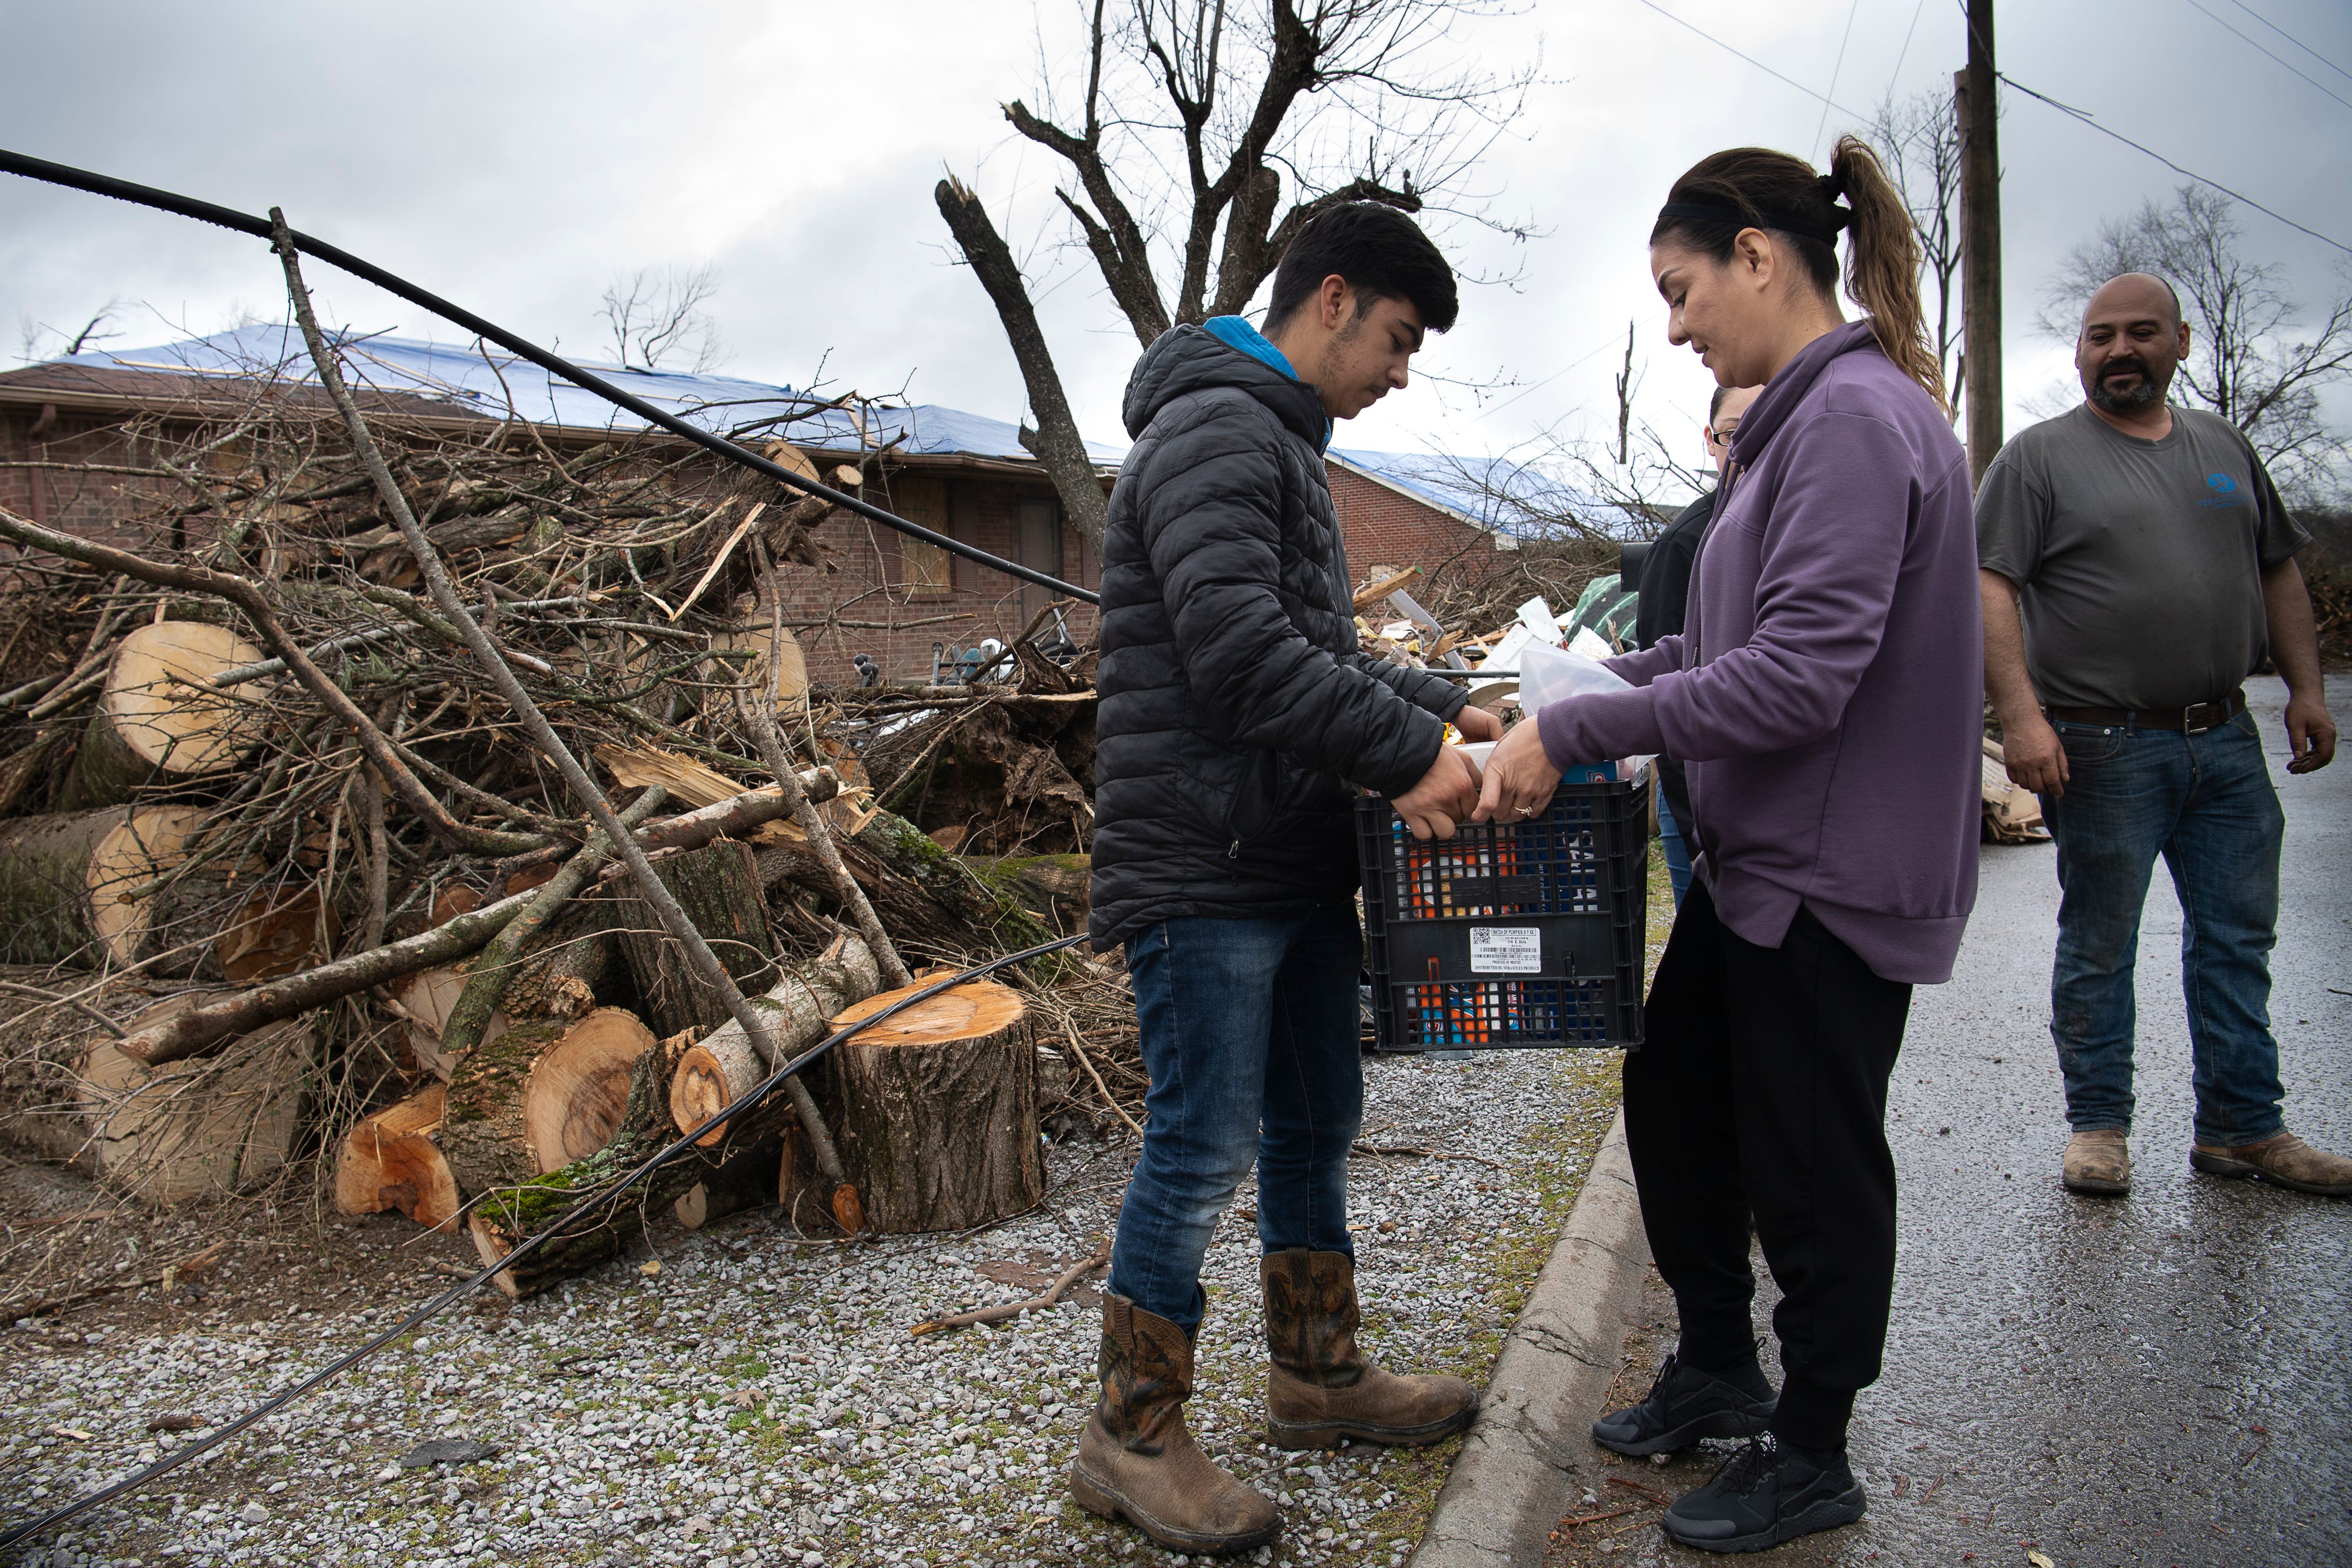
(2188, 724)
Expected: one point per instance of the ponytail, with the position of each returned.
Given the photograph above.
(1754, 187)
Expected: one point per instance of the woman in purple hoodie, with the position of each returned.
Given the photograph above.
(1826, 697)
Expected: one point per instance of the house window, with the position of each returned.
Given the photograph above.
(923, 568)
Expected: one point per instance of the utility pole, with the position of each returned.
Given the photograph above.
(1974, 90)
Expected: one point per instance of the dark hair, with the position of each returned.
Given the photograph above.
(1772, 190)
(1381, 252)
(1714, 404)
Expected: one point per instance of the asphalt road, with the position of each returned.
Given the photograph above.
(2159, 1379)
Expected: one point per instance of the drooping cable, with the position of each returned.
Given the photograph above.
(585, 1209)
(245, 223)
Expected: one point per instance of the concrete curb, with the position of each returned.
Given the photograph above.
(1510, 1485)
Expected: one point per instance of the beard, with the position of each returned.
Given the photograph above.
(2148, 391)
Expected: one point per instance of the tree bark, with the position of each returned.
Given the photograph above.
(937, 1112)
(1059, 446)
(719, 888)
(198, 1129)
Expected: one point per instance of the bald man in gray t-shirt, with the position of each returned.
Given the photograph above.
(2155, 565)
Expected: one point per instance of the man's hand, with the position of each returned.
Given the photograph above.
(1477, 724)
(1520, 777)
(1443, 797)
(2036, 760)
(2310, 733)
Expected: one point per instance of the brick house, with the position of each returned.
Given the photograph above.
(898, 600)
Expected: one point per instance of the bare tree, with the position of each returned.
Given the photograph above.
(657, 316)
(31, 334)
(1214, 105)
(1920, 140)
(2247, 360)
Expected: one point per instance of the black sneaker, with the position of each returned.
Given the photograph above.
(1764, 1495)
(1685, 1404)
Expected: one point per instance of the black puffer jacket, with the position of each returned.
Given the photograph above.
(1234, 701)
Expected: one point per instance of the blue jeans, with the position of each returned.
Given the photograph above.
(1670, 839)
(1250, 1035)
(2205, 803)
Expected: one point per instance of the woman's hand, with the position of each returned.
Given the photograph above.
(1520, 777)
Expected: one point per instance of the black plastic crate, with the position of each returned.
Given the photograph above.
(1509, 937)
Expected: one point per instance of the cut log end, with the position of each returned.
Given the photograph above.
(579, 1086)
(392, 1160)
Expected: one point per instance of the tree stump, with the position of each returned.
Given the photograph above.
(537, 1098)
(63, 882)
(718, 887)
(158, 716)
(392, 1160)
(937, 1110)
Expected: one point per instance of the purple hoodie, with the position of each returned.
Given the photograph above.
(1827, 695)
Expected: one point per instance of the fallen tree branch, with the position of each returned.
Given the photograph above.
(489, 973)
(445, 599)
(1053, 1293)
(196, 1031)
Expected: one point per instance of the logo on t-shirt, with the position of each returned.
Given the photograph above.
(2225, 491)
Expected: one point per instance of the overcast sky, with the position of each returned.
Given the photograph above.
(516, 157)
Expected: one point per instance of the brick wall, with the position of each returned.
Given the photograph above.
(874, 582)
(1386, 528)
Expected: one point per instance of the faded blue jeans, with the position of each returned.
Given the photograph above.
(1250, 1036)
(2205, 803)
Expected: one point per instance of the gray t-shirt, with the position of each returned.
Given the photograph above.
(2139, 561)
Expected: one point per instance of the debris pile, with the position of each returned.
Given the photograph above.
(288, 888)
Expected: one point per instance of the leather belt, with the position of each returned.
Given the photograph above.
(2195, 720)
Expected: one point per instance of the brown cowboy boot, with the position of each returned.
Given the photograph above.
(1136, 1462)
(1321, 1391)
(2282, 1159)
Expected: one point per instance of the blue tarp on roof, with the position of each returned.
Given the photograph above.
(467, 379)
(1515, 498)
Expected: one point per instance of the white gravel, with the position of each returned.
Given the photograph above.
(760, 1402)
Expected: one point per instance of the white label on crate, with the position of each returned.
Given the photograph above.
(1505, 950)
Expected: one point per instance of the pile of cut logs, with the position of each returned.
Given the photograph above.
(289, 884)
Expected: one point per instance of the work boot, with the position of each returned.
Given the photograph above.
(1685, 1404)
(1136, 1462)
(2099, 1163)
(1765, 1494)
(1319, 1389)
(2283, 1159)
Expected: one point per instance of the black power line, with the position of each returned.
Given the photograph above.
(245, 223)
(2083, 115)
(2250, 43)
(2291, 39)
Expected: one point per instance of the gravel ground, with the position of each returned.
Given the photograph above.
(759, 1400)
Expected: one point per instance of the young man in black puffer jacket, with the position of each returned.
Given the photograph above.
(1236, 712)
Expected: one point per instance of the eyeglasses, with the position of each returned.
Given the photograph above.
(1721, 434)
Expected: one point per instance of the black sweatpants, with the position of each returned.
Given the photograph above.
(1761, 1089)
